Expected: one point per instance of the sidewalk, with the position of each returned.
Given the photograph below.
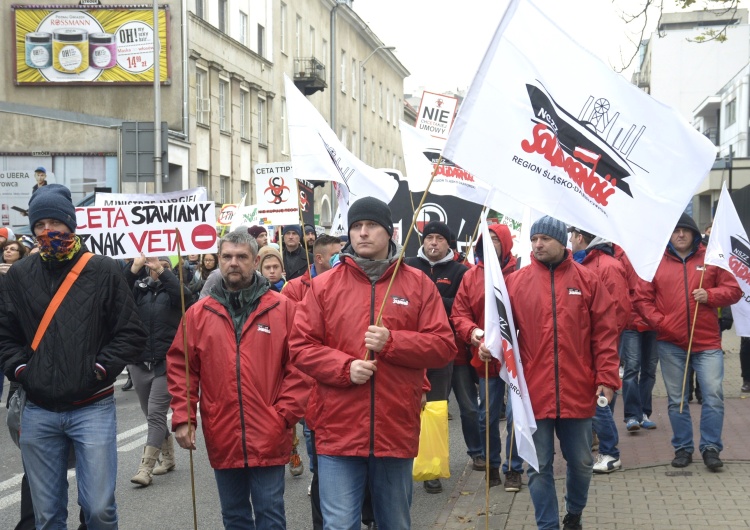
(648, 493)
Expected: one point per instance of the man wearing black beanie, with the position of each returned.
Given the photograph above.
(69, 374)
(369, 373)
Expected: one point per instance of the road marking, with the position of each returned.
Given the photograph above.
(15, 498)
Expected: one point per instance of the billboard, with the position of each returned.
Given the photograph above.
(92, 45)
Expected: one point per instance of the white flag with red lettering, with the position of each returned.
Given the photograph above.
(500, 339)
(552, 126)
(729, 248)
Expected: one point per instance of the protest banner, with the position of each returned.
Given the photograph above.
(436, 113)
(121, 199)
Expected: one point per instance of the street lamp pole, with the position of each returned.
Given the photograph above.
(361, 91)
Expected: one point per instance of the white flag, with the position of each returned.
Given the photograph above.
(500, 339)
(552, 126)
(317, 153)
(729, 248)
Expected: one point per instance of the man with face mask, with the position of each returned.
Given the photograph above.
(69, 377)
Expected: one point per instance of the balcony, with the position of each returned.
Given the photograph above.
(309, 75)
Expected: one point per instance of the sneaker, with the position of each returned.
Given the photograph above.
(433, 486)
(622, 371)
(513, 481)
(746, 387)
(572, 522)
(682, 458)
(647, 423)
(478, 463)
(711, 459)
(494, 477)
(295, 464)
(633, 425)
(606, 464)
(309, 489)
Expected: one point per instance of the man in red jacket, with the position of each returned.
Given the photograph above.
(568, 346)
(668, 304)
(250, 394)
(369, 374)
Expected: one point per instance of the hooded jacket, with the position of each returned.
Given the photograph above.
(468, 306)
(567, 335)
(381, 417)
(668, 305)
(250, 394)
(635, 321)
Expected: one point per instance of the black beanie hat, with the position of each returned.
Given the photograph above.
(371, 209)
(52, 202)
(687, 222)
(436, 227)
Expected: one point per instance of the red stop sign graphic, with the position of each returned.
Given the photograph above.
(203, 237)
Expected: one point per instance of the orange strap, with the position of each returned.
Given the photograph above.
(58, 298)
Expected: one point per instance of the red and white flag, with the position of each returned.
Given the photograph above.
(552, 126)
(729, 248)
(500, 339)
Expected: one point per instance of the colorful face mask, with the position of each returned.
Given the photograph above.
(58, 246)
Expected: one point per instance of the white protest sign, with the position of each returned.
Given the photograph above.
(257, 215)
(436, 112)
(275, 185)
(121, 199)
(126, 231)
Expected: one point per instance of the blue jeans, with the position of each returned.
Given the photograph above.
(709, 369)
(342, 491)
(309, 444)
(465, 391)
(605, 428)
(640, 356)
(511, 450)
(45, 442)
(264, 485)
(497, 398)
(575, 444)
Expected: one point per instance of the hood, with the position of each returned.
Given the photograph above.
(506, 240)
(448, 257)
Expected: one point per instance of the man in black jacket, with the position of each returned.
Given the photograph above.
(295, 261)
(436, 259)
(69, 378)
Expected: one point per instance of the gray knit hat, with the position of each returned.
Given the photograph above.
(549, 226)
(52, 202)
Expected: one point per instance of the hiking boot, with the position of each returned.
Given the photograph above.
(148, 461)
(495, 477)
(682, 458)
(711, 459)
(647, 423)
(433, 486)
(166, 460)
(572, 522)
(606, 464)
(746, 387)
(633, 425)
(478, 463)
(513, 481)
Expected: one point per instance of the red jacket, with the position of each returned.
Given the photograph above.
(668, 305)
(612, 274)
(635, 322)
(468, 306)
(380, 417)
(567, 336)
(250, 394)
(297, 288)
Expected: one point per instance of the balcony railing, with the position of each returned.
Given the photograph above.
(309, 75)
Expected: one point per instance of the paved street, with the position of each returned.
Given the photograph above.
(647, 494)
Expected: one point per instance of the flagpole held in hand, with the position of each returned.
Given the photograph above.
(379, 320)
(187, 370)
(690, 343)
(487, 445)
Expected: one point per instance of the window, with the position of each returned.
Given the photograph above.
(223, 105)
(372, 89)
(380, 100)
(284, 132)
(325, 53)
(343, 71)
(393, 162)
(311, 38)
(261, 121)
(363, 154)
(200, 9)
(364, 86)
(202, 178)
(224, 194)
(223, 16)
(396, 111)
(282, 21)
(354, 144)
(243, 28)
(388, 105)
(244, 186)
(354, 79)
(261, 40)
(202, 103)
(730, 110)
(298, 37)
(344, 136)
(243, 114)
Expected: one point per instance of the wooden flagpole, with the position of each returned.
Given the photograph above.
(690, 343)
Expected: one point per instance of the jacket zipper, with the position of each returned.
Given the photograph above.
(554, 330)
(687, 295)
(372, 379)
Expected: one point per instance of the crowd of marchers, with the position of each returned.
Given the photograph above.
(340, 335)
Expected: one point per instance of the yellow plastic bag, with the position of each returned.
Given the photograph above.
(432, 461)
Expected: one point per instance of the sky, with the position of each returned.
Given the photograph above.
(442, 42)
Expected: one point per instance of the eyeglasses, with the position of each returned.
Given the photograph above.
(12, 248)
